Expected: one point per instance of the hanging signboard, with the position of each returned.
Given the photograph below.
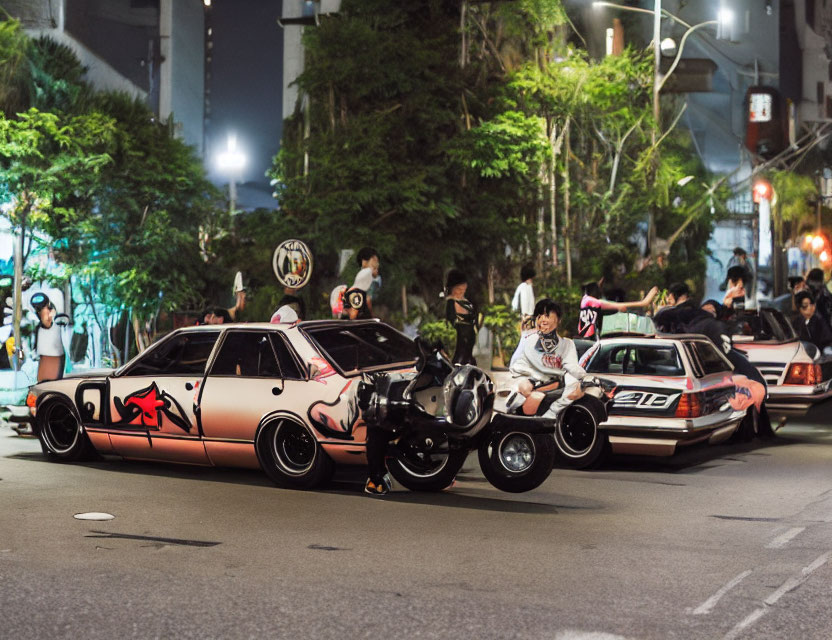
(292, 263)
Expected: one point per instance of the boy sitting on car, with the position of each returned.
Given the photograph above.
(539, 358)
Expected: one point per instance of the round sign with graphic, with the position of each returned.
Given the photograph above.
(292, 264)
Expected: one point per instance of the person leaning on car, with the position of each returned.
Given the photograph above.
(809, 325)
(686, 317)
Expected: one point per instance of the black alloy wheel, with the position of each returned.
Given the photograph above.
(290, 455)
(61, 433)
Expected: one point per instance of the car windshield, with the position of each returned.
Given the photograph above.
(643, 359)
(767, 325)
(359, 347)
(628, 323)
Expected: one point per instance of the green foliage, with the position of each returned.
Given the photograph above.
(504, 323)
(794, 192)
(439, 331)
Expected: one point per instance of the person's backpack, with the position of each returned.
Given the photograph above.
(78, 346)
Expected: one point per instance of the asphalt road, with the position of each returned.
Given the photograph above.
(719, 542)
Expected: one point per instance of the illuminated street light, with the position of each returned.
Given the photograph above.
(817, 244)
(231, 161)
(660, 78)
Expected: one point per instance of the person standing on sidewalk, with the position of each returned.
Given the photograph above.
(462, 315)
(523, 300)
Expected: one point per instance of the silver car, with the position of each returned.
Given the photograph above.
(797, 374)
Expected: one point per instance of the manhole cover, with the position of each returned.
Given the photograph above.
(93, 515)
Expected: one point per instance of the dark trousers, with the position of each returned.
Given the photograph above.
(377, 441)
(745, 368)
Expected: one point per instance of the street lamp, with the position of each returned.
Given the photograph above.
(724, 19)
(231, 161)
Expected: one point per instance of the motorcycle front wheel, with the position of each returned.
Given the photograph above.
(425, 463)
(516, 461)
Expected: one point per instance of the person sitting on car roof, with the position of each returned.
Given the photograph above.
(809, 325)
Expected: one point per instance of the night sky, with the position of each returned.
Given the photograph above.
(246, 90)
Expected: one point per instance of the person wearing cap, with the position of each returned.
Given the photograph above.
(462, 315)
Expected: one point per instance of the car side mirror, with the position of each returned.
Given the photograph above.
(314, 370)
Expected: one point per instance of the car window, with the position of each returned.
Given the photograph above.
(767, 324)
(247, 354)
(289, 367)
(708, 358)
(627, 359)
(181, 354)
(355, 347)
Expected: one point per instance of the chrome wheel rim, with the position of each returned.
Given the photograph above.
(516, 452)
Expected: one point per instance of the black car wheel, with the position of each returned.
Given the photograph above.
(425, 463)
(291, 456)
(579, 441)
(516, 461)
(60, 432)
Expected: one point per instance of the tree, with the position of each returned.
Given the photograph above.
(48, 165)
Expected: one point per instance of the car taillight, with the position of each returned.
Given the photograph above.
(690, 406)
(31, 400)
(803, 373)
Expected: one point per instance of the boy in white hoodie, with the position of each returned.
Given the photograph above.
(540, 357)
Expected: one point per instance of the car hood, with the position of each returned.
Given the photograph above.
(90, 373)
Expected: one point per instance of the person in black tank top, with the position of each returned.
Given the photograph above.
(462, 315)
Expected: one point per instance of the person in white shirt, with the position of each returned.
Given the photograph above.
(523, 300)
(50, 346)
(541, 357)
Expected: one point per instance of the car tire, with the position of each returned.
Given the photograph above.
(580, 444)
(516, 461)
(60, 432)
(420, 467)
(291, 456)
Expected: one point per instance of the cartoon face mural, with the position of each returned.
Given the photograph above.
(292, 263)
(337, 419)
(147, 406)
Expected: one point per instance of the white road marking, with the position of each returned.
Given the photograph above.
(749, 620)
(710, 603)
(788, 585)
(793, 583)
(93, 515)
(782, 540)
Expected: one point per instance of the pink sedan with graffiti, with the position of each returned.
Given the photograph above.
(277, 397)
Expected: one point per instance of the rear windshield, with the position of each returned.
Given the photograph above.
(767, 325)
(358, 347)
(643, 359)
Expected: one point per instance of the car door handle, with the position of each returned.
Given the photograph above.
(189, 386)
(277, 391)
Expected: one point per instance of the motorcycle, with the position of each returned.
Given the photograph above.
(440, 413)
(578, 440)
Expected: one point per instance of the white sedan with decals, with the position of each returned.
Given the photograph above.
(672, 391)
